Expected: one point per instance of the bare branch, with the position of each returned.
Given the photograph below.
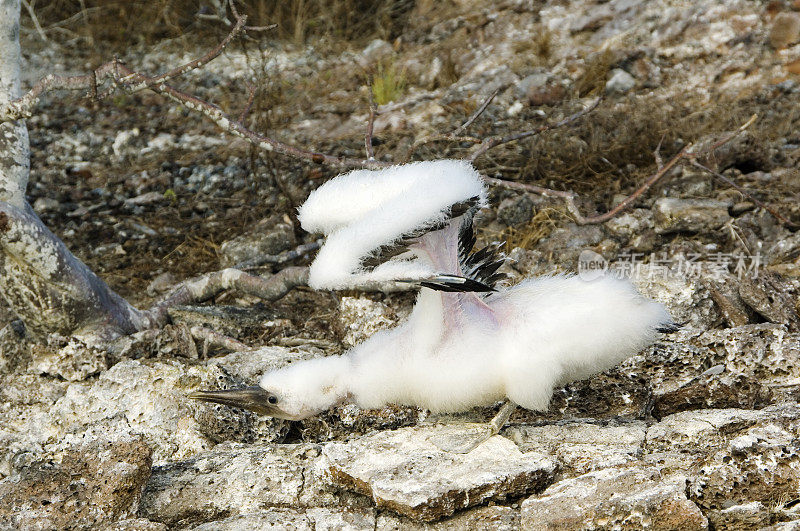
(226, 123)
(22, 107)
(236, 15)
(460, 130)
(628, 201)
(207, 286)
(457, 135)
(251, 89)
(494, 141)
(129, 80)
(35, 19)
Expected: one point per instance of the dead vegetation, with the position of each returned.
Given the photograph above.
(111, 25)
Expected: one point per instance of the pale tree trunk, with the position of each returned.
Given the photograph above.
(43, 283)
(14, 148)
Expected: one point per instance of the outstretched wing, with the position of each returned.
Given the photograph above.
(375, 221)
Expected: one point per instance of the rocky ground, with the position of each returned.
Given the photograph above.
(699, 431)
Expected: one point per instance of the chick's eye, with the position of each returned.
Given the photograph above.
(272, 399)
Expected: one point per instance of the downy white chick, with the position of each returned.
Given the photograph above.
(468, 341)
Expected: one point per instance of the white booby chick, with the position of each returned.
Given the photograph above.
(469, 341)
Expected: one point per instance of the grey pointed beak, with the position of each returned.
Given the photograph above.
(253, 398)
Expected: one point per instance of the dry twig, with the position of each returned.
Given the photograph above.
(370, 127)
(121, 77)
(788, 223)
(494, 141)
(251, 89)
(685, 154)
(35, 19)
(461, 129)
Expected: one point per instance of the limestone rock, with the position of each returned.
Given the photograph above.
(138, 397)
(725, 294)
(314, 519)
(276, 518)
(685, 297)
(406, 471)
(792, 525)
(94, 483)
(740, 456)
(753, 515)
(785, 30)
(765, 353)
(630, 497)
(495, 517)
(374, 52)
(565, 244)
(771, 297)
(761, 464)
(689, 215)
(582, 447)
(515, 210)
(706, 428)
(229, 480)
(629, 224)
(249, 365)
(135, 524)
(684, 376)
(620, 82)
(73, 360)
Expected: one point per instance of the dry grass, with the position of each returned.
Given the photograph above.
(594, 78)
(528, 235)
(535, 51)
(110, 24)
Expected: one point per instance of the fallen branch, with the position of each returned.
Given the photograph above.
(22, 107)
(628, 201)
(207, 286)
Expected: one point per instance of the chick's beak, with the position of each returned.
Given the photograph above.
(253, 398)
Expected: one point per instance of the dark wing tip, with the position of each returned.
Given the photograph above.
(452, 284)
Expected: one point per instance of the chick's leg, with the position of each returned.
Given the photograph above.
(492, 428)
